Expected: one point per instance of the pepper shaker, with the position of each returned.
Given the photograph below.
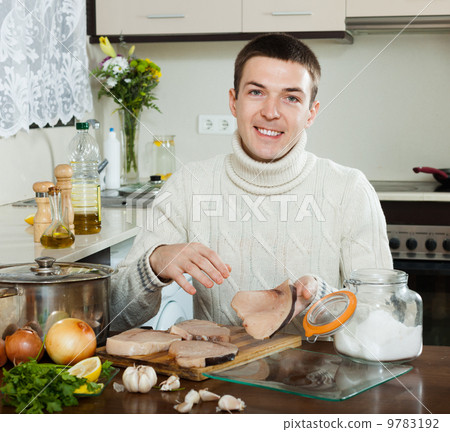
(63, 174)
(43, 216)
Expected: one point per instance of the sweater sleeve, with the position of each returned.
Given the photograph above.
(135, 295)
(364, 242)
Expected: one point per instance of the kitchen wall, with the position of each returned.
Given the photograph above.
(384, 108)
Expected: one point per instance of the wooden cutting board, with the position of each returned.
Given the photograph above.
(249, 349)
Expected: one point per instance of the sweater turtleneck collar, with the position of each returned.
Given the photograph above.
(267, 178)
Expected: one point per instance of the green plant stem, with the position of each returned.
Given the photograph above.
(130, 124)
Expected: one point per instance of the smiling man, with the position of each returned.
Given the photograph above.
(267, 212)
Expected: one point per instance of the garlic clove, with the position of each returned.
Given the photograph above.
(230, 403)
(192, 397)
(118, 387)
(184, 407)
(172, 383)
(207, 396)
(130, 379)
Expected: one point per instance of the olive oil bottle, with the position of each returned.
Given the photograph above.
(57, 235)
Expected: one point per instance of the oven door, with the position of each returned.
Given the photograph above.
(431, 280)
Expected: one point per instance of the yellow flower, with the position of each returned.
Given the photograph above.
(106, 47)
(148, 60)
(131, 52)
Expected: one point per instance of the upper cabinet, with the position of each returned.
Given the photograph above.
(143, 17)
(397, 8)
(143, 20)
(293, 15)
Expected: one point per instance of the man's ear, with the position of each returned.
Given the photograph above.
(232, 101)
(312, 113)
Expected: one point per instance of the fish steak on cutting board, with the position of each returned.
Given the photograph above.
(139, 341)
(191, 353)
(195, 329)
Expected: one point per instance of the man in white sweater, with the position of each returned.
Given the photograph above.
(267, 212)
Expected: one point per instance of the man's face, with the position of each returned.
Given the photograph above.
(272, 107)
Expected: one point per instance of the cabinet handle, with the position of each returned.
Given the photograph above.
(165, 16)
(303, 13)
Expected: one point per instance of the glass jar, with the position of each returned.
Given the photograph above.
(385, 324)
(164, 156)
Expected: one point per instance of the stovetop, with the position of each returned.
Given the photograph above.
(408, 186)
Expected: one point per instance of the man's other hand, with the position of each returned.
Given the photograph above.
(306, 290)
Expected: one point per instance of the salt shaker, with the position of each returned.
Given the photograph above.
(43, 216)
(63, 174)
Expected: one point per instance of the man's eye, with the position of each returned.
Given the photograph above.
(293, 99)
(255, 92)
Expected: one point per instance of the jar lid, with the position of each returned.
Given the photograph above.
(46, 271)
(329, 313)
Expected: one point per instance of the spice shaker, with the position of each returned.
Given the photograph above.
(63, 174)
(43, 216)
(376, 318)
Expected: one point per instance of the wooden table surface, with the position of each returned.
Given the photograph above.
(423, 390)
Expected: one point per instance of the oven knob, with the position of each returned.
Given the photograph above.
(446, 245)
(431, 244)
(411, 243)
(394, 243)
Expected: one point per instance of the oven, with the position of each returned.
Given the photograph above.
(419, 237)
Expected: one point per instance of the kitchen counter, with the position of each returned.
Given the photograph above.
(423, 390)
(17, 245)
(411, 191)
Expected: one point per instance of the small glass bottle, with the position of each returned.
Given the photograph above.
(57, 235)
(164, 156)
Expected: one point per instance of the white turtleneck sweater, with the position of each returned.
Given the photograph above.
(269, 221)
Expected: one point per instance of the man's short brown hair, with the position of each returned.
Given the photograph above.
(278, 46)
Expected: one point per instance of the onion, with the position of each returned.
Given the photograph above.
(70, 340)
(3, 358)
(22, 345)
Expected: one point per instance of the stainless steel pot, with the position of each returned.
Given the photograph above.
(49, 291)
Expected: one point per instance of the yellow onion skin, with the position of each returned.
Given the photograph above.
(70, 340)
(3, 357)
(22, 345)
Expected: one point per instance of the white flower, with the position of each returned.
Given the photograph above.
(111, 82)
(116, 65)
(127, 80)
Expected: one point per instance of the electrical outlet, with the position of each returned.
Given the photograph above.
(216, 124)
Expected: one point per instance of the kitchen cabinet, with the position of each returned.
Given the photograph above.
(141, 17)
(293, 15)
(209, 20)
(394, 8)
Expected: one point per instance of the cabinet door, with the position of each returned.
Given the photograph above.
(293, 15)
(371, 8)
(143, 17)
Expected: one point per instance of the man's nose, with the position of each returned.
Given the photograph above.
(270, 109)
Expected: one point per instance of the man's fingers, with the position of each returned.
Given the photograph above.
(183, 282)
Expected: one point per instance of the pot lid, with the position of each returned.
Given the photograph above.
(328, 314)
(46, 271)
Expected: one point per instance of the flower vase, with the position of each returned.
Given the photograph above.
(130, 123)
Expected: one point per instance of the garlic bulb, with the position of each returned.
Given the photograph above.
(139, 379)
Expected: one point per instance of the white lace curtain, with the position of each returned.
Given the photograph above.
(43, 63)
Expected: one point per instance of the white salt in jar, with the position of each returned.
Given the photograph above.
(384, 324)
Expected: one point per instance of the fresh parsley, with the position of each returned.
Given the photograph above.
(34, 387)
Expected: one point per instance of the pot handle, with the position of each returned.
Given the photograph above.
(430, 170)
(8, 291)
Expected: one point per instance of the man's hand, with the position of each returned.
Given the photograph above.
(202, 263)
(306, 290)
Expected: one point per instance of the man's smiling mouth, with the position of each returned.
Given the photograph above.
(268, 132)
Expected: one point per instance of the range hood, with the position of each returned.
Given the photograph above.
(390, 23)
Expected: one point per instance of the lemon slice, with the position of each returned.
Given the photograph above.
(83, 390)
(89, 368)
(29, 219)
